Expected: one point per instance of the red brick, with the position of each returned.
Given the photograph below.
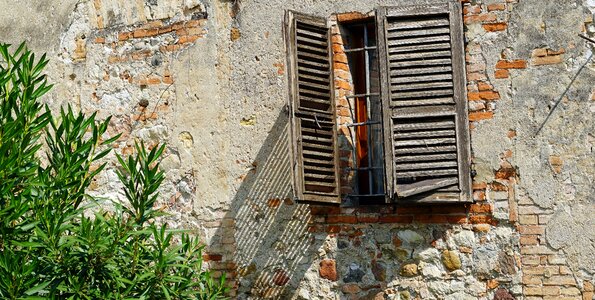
(480, 208)
(528, 220)
(333, 229)
(546, 60)
(496, 7)
(187, 39)
(457, 209)
(491, 27)
(531, 229)
(479, 185)
(395, 219)
(539, 52)
(478, 116)
(511, 64)
(431, 219)
(166, 29)
(482, 219)
(414, 210)
(479, 195)
(473, 76)
(351, 16)
(484, 86)
(341, 219)
(212, 257)
(122, 36)
(153, 80)
(473, 96)
(505, 173)
(529, 240)
(501, 74)
(367, 219)
(324, 210)
(485, 17)
(139, 33)
(340, 57)
(553, 52)
(460, 219)
(489, 95)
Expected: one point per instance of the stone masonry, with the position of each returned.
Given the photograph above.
(208, 77)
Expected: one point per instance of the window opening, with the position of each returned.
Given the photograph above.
(365, 109)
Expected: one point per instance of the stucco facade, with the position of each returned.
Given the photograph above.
(209, 79)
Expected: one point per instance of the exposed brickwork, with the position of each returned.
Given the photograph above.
(546, 56)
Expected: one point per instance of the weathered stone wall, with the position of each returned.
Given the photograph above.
(208, 78)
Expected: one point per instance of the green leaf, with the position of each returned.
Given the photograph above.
(38, 288)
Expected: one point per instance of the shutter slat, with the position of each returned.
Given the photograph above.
(420, 55)
(420, 71)
(313, 85)
(425, 125)
(407, 190)
(418, 40)
(423, 62)
(430, 157)
(427, 173)
(419, 48)
(318, 147)
(423, 111)
(424, 134)
(423, 102)
(307, 89)
(319, 58)
(422, 94)
(425, 149)
(321, 169)
(302, 39)
(421, 86)
(417, 24)
(312, 64)
(425, 142)
(305, 48)
(419, 32)
(422, 78)
(303, 69)
(426, 165)
(317, 79)
(312, 34)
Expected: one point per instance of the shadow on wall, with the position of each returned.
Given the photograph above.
(266, 238)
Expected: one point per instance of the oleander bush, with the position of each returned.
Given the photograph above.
(56, 242)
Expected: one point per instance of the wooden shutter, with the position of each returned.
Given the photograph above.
(424, 103)
(312, 113)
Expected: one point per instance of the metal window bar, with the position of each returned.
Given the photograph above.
(368, 123)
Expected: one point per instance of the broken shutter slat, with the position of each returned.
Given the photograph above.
(312, 110)
(427, 141)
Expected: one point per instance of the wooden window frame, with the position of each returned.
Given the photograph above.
(461, 107)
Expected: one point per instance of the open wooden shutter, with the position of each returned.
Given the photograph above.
(312, 109)
(424, 102)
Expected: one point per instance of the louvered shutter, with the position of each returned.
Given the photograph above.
(312, 109)
(424, 103)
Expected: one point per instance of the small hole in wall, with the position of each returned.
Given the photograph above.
(143, 102)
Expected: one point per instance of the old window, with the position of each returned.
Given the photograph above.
(410, 113)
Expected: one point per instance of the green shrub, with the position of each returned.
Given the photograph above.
(55, 241)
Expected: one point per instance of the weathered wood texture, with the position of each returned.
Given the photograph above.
(424, 104)
(312, 114)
